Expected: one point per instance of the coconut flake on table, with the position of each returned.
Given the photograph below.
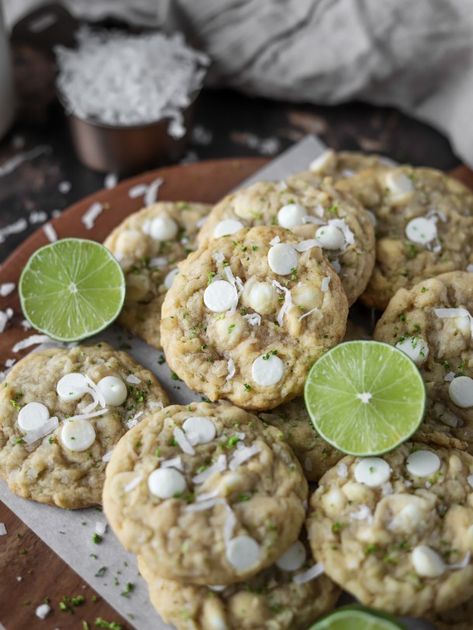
(137, 191)
(100, 528)
(152, 190)
(50, 232)
(142, 79)
(6, 288)
(37, 216)
(42, 611)
(5, 317)
(110, 181)
(3, 529)
(32, 340)
(13, 228)
(13, 163)
(90, 215)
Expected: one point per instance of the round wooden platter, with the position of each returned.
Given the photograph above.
(22, 554)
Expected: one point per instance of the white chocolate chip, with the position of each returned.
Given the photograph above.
(170, 277)
(243, 553)
(113, 389)
(460, 391)
(291, 215)
(427, 562)
(267, 371)
(416, 349)
(199, 430)
(72, 386)
(423, 463)
(32, 416)
(372, 471)
(77, 435)
(282, 259)
(227, 227)
(260, 296)
(330, 237)
(220, 296)
(165, 483)
(398, 186)
(293, 558)
(163, 228)
(421, 230)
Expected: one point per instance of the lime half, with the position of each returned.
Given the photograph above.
(71, 289)
(365, 397)
(357, 618)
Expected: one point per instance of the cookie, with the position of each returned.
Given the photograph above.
(424, 227)
(290, 594)
(206, 493)
(62, 411)
(315, 455)
(340, 225)
(148, 245)
(249, 314)
(397, 531)
(431, 323)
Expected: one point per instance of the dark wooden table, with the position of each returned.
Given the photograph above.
(226, 124)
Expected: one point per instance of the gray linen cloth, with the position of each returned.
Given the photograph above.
(416, 55)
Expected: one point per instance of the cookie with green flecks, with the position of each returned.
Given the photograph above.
(149, 244)
(396, 530)
(62, 411)
(248, 314)
(205, 493)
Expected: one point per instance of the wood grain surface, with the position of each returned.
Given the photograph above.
(22, 554)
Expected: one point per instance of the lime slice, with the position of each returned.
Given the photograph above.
(357, 618)
(365, 397)
(71, 289)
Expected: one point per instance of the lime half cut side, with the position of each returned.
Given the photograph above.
(357, 618)
(365, 397)
(71, 289)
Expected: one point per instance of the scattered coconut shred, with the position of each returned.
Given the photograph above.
(121, 79)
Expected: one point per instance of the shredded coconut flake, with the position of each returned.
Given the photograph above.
(88, 416)
(449, 377)
(132, 379)
(448, 313)
(175, 462)
(219, 466)
(13, 163)
(131, 485)
(132, 422)
(203, 505)
(42, 611)
(325, 284)
(100, 528)
(311, 219)
(3, 529)
(183, 442)
(242, 455)
(6, 288)
(312, 310)
(110, 181)
(90, 215)
(363, 513)
(158, 76)
(314, 572)
(462, 564)
(254, 319)
(37, 216)
(274, 241)
(231, 369)
(48, 427)
(107, 457)
(151, 193)
(304, 246)
(230, 523)
(5, 316)
(50, 232)
(32, 340)
(287, 304)
(13, 228)
(137, 191)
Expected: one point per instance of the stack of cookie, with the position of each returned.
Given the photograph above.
(243, 298)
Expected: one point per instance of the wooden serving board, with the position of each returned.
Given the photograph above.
(22, 554)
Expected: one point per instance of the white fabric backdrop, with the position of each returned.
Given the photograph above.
(414, 54)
